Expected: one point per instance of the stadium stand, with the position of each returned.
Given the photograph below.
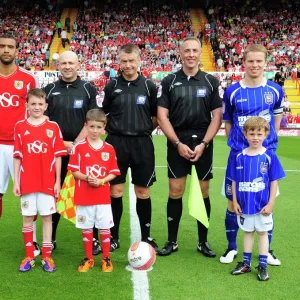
(33, 26)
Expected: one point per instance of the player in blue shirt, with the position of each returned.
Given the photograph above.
(252, 96)
(255, 174)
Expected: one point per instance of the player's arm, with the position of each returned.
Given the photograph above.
(277, 122)
(57, 176)
(17, 166)
(227, 113)
(273, 191)
(278, 109)
(228, 126)
(236, 207)
(80, 176)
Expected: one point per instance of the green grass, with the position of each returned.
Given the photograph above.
(183, 275)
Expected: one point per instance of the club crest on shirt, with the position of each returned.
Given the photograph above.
(25, 204)
(105, 156)
(228, 189)
(81, 219)
(263, 168)
(201, 92)
(268, 98)
(49, 133)
(18, 84)
(141, 99)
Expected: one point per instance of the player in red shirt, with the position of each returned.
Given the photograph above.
(37, 155)
(93, 164)
(15, 82)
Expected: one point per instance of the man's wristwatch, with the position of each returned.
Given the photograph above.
(75, 143)
(205, 144)
(175, 144)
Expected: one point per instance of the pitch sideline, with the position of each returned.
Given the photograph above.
(139, 278)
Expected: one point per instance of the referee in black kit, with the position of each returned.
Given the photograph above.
(131, 106)
(189, 104)
(69, 99)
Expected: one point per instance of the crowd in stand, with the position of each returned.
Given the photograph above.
(233, 27)
(158, 31)
(33, 26)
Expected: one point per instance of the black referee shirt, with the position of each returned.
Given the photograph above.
(129, 106)
(189, 99)
(68, 104)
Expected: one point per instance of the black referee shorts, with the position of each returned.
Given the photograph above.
(180, 167)
(136, 153)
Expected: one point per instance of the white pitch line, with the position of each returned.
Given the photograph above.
(223, 168)
(139, 278)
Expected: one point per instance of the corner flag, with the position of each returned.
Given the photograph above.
(65, 202)
(196, 203)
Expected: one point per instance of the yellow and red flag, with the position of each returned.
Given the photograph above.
(65, 202)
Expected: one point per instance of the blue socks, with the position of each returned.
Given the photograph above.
(263, 260)
(247, 258)
(232, 228)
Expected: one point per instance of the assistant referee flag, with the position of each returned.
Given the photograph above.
(196, 203)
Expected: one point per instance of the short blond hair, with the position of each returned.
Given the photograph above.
(256, 123)
(256, 48)
(191, 38)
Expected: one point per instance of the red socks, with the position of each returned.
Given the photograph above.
(87, 236)
(105, 242)
(28, 240)
(46, 249)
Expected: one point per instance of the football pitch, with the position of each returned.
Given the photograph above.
(183, 275)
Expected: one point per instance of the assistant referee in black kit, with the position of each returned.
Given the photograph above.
(131, 105)
(186, 101)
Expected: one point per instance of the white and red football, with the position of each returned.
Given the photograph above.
(141, 256)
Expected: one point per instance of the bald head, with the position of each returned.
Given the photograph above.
(68, 55)
(68, 66)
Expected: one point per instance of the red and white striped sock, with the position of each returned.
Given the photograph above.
(87, 236)
(28, 240)
(105, 241)
(46, 249)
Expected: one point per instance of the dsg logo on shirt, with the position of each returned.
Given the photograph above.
(96, 171)
(7, 100)
(37, 147)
